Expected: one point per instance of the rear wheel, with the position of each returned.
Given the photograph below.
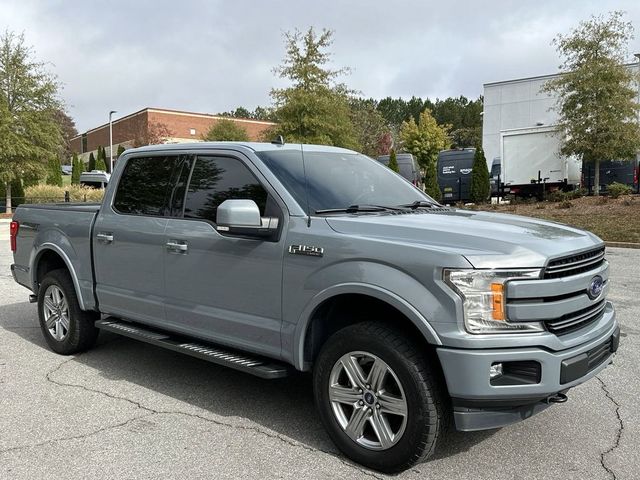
(378, 397)
(66, 328)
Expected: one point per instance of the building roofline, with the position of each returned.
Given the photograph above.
(178, 112)
(538, 77)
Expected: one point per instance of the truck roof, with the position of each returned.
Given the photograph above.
(255, 146)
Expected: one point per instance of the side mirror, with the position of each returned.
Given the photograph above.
(242, 217)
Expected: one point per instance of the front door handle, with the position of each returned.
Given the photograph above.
(175, 246)
(105, 237)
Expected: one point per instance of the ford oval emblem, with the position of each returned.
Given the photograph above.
(595, 287)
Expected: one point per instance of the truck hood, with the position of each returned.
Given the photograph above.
(485, 239)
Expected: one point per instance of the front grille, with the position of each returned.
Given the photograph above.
(598, 354)
(574, 264)
(576, 320)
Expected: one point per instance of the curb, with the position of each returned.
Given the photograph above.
(622, 244)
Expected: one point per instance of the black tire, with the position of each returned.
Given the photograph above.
(427, 415)
(81, 333)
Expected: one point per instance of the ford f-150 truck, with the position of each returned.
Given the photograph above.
(272, 258)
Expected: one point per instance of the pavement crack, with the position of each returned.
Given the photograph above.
(152, 412)
(619, 430)
(74, 437)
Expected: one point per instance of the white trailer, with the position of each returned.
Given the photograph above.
(531, 156)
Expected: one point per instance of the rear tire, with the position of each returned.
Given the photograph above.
(66, 328)
(404, 402)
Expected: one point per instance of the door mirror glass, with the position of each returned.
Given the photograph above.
(242, 217)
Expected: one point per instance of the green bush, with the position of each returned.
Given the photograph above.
(393, 161)
(431, 182)
(54, 173)
(616, 189)
(92, 163)
(480, 186)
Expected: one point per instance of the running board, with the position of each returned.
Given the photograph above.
(258, 366)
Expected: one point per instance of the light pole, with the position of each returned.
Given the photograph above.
(111, 141)
(637, 75)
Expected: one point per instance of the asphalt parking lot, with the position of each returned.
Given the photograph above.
(129, 410)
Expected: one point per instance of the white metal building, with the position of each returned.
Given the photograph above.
(517, 111)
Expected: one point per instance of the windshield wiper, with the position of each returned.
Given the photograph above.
(357, 209)
(419, 204)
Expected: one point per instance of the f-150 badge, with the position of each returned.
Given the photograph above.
(306, 250)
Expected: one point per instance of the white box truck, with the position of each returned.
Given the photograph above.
(531, 157)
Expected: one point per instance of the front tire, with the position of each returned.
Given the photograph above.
(378, 397)
(66, 328)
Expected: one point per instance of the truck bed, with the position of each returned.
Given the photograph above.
(63, 227)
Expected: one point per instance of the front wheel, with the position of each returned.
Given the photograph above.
(378, 397)
(66, 328)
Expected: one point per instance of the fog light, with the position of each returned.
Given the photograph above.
(495, 371)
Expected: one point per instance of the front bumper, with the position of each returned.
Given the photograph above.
(479, 404)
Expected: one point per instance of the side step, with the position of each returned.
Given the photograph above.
(258, 366)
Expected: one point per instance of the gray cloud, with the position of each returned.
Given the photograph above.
(212, 56)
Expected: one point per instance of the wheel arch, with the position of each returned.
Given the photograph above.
(51, 257)
(313, 328)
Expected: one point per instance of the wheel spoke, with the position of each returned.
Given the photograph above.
(381, 429)
(59, 334)
(56, 296)
(355, 427)
(48, 304)
(393, 405)
(376, 375)
(340, 394)
(354, 371)
(64, 321)
(52, 320)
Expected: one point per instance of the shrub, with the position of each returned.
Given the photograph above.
(54, 174)
(393, 161)
(431, 182)
(616, 189)
(92, 163)
(55, 194)
(565, 204)
(540, 206)
(480, 187)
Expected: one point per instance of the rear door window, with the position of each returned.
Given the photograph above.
(146, 185)
(216, 179)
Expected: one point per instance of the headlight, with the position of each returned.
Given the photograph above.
(483, 298)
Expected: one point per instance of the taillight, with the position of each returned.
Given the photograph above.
(13, 234)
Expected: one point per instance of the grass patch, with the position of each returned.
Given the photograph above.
(613, 219)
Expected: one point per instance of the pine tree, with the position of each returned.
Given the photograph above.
(480, 186)
(431, 186)
(54, 175)
(393, 161)
(75, 169)
(92, 163)
(100, 161)
(121, 150)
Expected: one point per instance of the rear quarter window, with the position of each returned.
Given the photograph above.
(145, 185)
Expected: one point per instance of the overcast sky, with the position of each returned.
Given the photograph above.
(211, 56)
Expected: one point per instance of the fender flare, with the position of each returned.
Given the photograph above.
(374, 291)
(41, 250)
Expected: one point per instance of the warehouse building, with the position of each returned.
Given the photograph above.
(156, 125)
(520, 116)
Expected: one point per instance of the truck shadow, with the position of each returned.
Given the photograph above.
(118, 366)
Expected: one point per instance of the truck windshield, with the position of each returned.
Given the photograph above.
(337, 180)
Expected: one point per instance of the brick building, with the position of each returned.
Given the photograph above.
(156, 125)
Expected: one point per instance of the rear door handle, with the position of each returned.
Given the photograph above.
(177, 247)
(105, 237)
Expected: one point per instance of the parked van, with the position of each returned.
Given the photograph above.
(95, 179)
(408, 167)
(621, 171)
(454, 174)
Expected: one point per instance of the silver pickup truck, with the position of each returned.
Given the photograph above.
(276, 258)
